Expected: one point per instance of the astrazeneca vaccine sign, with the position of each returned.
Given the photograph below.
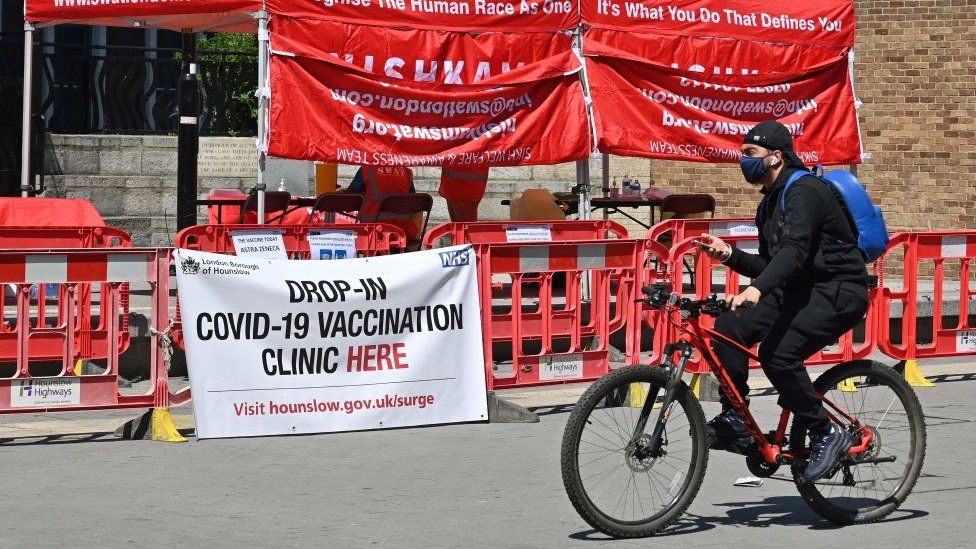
(280, 347)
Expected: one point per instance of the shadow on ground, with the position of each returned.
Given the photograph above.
(74, 438)
(771, 511)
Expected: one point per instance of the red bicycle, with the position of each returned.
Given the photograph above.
(630, 475)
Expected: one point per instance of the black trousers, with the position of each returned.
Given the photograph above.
(792, 325)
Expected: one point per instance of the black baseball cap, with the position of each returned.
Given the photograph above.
(774, 136)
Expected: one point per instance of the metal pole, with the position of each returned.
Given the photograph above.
(26, 185)
(260, 189)
(188, 138)
(583, 187)
(263, 51)
(606, 180)
(583, 190)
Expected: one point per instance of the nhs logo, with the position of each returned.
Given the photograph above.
(455, 258)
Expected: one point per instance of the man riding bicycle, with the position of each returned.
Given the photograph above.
(808, 287)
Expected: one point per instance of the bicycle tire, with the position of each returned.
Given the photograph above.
(617, 382)
(846, 516)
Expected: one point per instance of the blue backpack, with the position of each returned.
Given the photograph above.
(865, 217)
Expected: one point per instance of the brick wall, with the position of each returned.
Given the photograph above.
(916, 75)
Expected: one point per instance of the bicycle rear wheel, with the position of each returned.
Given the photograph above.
(614, 490)
(860, 493)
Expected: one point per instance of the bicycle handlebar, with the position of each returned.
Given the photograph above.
(659, 296)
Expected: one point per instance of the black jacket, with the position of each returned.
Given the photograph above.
(812, 242)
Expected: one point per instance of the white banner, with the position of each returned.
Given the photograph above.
(280, 347)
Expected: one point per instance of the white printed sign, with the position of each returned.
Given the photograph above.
(280, 347)
(966, 341)
(524, 233)
(744, 230)
(332, 245)
(954, 246)
(561, 367)
(31, 393)
(259, 244)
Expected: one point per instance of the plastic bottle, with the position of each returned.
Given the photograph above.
(625, 184)
(614, 189)
(281, 186)
(636, 188)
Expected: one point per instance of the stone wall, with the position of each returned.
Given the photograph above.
(131, 180)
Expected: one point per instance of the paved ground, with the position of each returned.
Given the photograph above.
(455, 486)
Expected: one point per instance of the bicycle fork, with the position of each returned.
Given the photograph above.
(653, 448)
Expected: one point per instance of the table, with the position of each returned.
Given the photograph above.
(651, 198)
(295, 203)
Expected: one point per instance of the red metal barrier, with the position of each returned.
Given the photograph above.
(680, 229)
(497, 232)
(673, 231)
(940, 251)
(493, 232)
(24, 392)
(574, 343)
(712, 276)
(91, 340)
(371, 238)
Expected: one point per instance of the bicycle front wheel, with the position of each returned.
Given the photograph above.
(869, 486)
(612, 486)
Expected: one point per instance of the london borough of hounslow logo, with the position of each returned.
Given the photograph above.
(190, 266)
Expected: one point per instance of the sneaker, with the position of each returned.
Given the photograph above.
(727, 431)
(826, 451)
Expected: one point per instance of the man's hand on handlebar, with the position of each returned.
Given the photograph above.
(747, 299)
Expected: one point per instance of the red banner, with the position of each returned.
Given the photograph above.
(711, 56)
(417, 55)
(332, 111)
(659, 112)
(171, 14)
(445, 15)
(816, 22)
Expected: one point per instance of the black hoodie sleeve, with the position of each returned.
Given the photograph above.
(746, 264)
(804, 220)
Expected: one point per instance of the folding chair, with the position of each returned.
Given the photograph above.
(342, 203)
(274, 202)
(407, 204)
(685, 206)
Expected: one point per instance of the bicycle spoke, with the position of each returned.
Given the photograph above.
(877, 405)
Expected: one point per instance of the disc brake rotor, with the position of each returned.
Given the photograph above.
(636, 464)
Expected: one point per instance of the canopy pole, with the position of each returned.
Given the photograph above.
(582, 188)
(26, 186)
(605, 165)
(262, 94)
(188, 136)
